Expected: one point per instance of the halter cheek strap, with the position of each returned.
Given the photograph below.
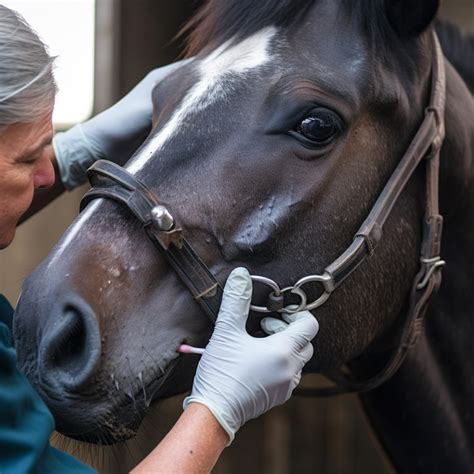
(425, 146)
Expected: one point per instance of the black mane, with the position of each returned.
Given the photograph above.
(219, 20)
(459, 49)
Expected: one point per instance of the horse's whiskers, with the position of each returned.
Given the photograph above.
(154, 363)
(140, 378)
(129, 393)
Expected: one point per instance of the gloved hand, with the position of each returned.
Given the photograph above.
(114, 134)
(240, 377)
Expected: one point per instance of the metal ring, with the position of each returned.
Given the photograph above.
(326, 281)
(294, 308)
(317, 303)
(269, 282)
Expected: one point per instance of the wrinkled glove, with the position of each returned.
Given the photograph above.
(240, 377)
(114, 134)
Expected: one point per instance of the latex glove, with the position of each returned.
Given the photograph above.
(240, 377)
(114, 134)
(274, 325)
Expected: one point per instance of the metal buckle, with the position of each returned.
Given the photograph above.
(325, 280)
(161, 218)
(431, 264)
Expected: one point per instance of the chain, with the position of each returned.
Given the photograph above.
(276, 297)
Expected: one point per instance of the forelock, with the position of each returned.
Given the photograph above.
(219, 21)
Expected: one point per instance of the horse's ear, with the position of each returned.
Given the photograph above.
(410, 18)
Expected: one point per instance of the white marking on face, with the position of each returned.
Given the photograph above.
(74, 231)
(237, 60)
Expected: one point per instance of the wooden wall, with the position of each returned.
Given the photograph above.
(306, 435)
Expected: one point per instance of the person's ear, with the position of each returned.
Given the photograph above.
(411, 17)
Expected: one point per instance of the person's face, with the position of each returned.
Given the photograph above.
(25, 165)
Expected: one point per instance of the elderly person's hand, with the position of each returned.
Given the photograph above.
(240, 377)
(115, 134)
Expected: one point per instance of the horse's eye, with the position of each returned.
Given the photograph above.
(320, 127)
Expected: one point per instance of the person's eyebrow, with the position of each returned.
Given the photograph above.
(36, 147)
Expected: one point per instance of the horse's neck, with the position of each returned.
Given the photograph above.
(453, 309)
(425, 413)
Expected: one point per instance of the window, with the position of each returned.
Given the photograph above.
(67, 27)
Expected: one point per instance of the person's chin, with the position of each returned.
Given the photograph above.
(6, 238)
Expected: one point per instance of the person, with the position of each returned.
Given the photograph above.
(239, 377)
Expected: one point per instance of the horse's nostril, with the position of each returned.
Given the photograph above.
(70, 347)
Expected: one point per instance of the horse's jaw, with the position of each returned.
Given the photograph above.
(97, 367)
(105, 401)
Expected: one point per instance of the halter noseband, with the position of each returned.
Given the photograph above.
(114, 182)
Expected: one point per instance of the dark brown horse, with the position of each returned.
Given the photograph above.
(270, 148)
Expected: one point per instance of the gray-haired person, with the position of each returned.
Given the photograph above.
(239, 377)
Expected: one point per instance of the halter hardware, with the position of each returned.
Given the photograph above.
(161, 218)
(276, 298)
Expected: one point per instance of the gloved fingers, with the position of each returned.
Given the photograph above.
(292, 317)
(140, 97)
(307, 352)
(297, 379)
(302, 327)
(273, 325)
(236, 299)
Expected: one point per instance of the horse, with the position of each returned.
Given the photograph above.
(270, 148)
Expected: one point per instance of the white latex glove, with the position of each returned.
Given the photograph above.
(240, 377)
(114, 134)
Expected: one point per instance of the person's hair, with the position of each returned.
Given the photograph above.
(27, 85)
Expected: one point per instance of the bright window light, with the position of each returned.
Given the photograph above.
(67, 27)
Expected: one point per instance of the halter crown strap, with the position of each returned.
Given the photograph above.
(426, 144)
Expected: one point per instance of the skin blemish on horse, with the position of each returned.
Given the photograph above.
(270, 150)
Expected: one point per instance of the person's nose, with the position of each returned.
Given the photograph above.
(44, 176)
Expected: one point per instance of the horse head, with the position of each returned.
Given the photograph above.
(270, 148)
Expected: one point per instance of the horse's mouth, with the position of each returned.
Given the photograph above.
(123, 424)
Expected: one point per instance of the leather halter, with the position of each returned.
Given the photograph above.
(114, 182)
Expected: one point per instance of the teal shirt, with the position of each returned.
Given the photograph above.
(25, 422)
